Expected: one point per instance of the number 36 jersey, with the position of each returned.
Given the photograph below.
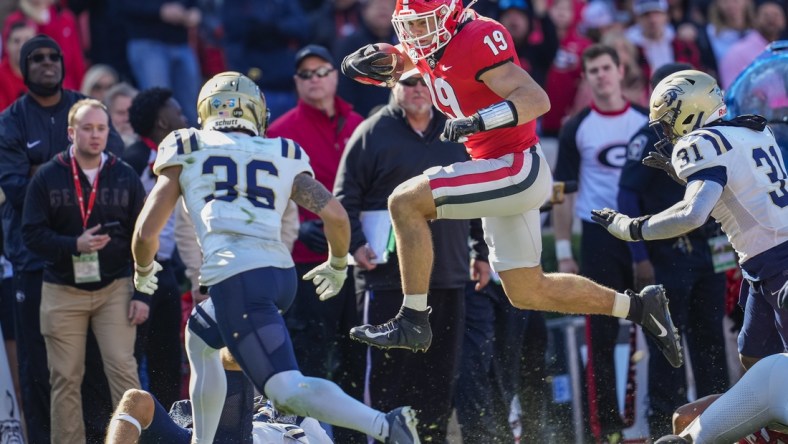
(753, 208)
(236, 188)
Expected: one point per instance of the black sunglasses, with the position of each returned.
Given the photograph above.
(413, 81)
(320, 72)
(38, 58)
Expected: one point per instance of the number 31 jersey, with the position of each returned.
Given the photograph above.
(753, 208)
(236, 188)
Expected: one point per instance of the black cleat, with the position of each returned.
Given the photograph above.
(658, 325)
(402, 426)
(410, 329)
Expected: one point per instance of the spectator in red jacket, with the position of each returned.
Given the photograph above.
(10, 75)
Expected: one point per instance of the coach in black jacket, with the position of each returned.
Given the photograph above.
(393, 145)
(79, 214)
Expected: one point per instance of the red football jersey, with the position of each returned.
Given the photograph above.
(457, 91)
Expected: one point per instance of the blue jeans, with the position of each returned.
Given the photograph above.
(169, 66)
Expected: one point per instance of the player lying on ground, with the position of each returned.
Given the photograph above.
(759, 400)
(224, 403)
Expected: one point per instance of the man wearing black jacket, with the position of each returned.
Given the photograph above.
(32, 131)
(395, 144)
(79, 214)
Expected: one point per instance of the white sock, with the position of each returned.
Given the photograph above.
(415, 301)
(382, 425)
(620, 305)
(207, 387)
(124, 417)
(324, 401)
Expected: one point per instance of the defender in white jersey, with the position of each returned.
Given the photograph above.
(236, 184)
(734, 172)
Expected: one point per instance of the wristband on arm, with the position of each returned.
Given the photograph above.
(563, 249)
(501, 115)
(144, 269)
(338, 263)
(636, 227)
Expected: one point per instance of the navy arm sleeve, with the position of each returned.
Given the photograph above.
(716, 174)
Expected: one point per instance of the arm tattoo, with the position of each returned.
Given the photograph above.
(310, 193)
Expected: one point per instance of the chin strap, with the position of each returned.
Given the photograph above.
(467, 12)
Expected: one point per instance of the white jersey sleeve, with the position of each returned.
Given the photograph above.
(699, 151)
(173, 147)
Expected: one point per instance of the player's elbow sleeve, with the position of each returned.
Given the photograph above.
(697, 219)
(691, 217)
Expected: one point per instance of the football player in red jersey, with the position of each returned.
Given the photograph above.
(472, 71)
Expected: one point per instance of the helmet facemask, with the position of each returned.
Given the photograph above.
(665, 133)
(423, 33)
(232, 102)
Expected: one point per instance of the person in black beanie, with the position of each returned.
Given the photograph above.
(32, 131)
(50, 84)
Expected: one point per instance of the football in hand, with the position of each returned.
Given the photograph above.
(395, 60)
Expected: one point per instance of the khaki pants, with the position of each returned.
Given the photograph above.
(66, 313)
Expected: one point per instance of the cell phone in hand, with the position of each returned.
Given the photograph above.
(108, 227)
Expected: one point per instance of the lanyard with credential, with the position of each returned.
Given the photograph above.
(80, 196)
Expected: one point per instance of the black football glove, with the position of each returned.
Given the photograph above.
(311, 234)
(458, 130)
(619, 225)
(358, 66)
(655, 159)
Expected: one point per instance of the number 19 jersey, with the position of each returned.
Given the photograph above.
(236, 188)
(457, 90)
(753, 208)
